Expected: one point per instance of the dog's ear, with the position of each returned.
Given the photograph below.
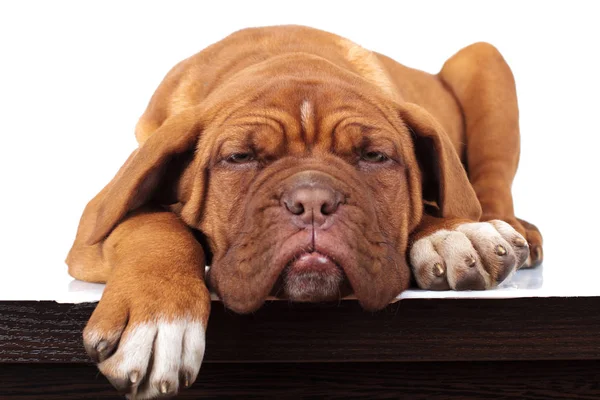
(136, 181)
(444, 178)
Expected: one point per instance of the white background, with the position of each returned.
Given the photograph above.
(75, 76)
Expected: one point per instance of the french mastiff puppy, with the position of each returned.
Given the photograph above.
(310, 169)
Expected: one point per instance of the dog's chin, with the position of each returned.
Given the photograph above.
(312, 277)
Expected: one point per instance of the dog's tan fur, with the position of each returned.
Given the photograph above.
(304, 100)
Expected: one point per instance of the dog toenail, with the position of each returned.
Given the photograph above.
(438, 269)
(164, 387)
(500, 250)
(471, 262)
(134, 376)
(186, 377)
(520, 242)
(101, 346)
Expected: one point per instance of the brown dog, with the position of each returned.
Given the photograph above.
(313, 169)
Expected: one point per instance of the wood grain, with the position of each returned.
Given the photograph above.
(411, 330)
(549, 380)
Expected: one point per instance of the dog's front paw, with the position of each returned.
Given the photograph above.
(472, 256)
(146, 350)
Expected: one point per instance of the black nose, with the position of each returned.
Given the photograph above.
(312, 203)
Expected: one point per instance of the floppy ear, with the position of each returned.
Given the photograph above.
(141, 174)
(444, 178)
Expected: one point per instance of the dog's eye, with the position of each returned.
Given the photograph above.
(373, 157)
(240, 158)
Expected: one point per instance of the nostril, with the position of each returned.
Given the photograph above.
(295, 207)
(328, 208)
(331, 203)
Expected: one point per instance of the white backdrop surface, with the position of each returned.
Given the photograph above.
(75, 76)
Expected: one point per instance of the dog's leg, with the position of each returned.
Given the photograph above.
(147, 333)
(450, 253)
(484, 85)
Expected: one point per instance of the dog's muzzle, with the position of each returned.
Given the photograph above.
(311, 201)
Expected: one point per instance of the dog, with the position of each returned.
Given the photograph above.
(300, 165)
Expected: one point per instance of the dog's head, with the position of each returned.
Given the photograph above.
(305, 179)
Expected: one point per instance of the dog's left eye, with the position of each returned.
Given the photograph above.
(240, 158)
(373, 157)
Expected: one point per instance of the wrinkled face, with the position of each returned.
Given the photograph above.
(308, 198)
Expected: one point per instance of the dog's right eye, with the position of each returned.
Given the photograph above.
(240, 158)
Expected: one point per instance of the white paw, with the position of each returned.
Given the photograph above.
(153, 359)
(472, 256)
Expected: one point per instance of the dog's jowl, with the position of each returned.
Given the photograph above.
(314, 169)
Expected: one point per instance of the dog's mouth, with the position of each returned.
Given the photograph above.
(312, 277)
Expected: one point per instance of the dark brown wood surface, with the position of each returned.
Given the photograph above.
(411, 330)
(545, 380)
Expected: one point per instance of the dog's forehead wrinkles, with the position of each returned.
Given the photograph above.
(307, 121)
(303, 121)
